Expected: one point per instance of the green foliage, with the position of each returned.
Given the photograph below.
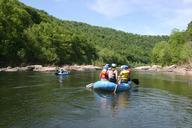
(31, 36)
(117, 46)
(176, 51)
(161, 53)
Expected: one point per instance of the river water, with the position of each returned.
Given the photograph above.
(42, 100)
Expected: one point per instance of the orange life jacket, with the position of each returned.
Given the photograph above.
(103, 74)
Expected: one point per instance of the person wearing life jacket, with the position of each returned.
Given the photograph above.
(113, 73)
(104, 73)
(62, 71)
(124, 75)
(129, 69)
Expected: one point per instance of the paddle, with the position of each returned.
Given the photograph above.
(89, 85)
(136, 81)
(136, 86)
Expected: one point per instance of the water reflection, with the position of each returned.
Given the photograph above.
(61, 80)
(112, 101)
(37, 100)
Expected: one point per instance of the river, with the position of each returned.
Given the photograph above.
(42, 100)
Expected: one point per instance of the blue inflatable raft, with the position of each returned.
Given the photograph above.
(62, 73)
(104, 85)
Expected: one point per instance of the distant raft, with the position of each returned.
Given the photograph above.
(104, 85)
(64, 73)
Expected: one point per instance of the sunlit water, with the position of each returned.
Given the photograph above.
(42, 100)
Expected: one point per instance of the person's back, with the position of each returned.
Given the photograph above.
(112, 73)
(104, 73)
(124, 75)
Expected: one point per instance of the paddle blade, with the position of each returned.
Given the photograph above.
(136, 81)
(89, 85)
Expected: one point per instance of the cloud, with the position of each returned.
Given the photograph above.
(117, 8)
(175, 18)
(167, 14)
(110, 8)
(187, 1)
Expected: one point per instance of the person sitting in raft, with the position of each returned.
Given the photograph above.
(129, 69)
(124, 75)
(104, 73)
(57, 70)
(62, 71)
(112, 73)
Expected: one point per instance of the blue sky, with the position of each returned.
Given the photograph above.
(146, 17)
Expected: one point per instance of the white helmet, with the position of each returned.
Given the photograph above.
(113, 65)
(122, 66)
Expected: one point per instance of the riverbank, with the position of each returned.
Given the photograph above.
(175, 69)
(183, 70)
(40, 68)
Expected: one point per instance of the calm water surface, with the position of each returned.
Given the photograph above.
(42, 100)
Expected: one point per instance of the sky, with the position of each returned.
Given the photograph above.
(145, 17)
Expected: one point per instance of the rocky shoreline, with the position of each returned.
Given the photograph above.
(182, 70)
(40, 68)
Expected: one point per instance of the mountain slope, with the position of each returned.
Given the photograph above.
(31, 36)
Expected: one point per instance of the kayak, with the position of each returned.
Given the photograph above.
(62, 73)
(104, 85)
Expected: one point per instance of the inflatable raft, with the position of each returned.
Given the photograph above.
(62, 73)
(104, 85)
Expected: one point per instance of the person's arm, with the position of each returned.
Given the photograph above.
(129, 71)
(119, 77)
(100, 75)
(129, 75)
(107, 75)
(116, 74)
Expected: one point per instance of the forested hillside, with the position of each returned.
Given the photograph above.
(177, 50)
(31, 36)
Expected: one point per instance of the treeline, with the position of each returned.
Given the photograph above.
(31, 36)
(117, 46)
(177, 50)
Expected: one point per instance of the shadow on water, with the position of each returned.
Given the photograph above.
(112, 101)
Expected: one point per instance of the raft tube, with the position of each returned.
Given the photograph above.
(104, 85)
(62, 73)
